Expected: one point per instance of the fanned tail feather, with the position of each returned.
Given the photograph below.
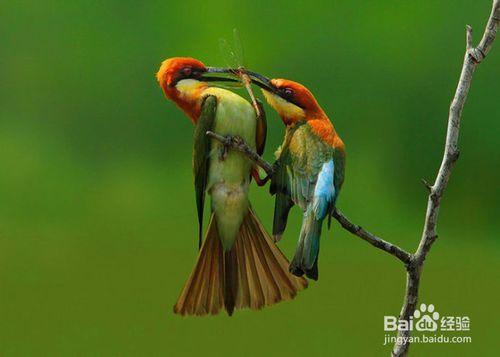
(203, 292)
(252, 274)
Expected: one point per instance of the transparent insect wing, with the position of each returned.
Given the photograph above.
(238, 49)
(228, 54)
(233, 55)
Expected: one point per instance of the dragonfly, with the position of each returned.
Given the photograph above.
(233, 55)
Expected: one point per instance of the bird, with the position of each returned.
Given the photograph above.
(238, 266)
(309, 167)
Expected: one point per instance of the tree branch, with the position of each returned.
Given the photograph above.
(473, 56)
(377, 242)
(238, 144)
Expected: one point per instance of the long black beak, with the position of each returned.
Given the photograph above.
(216, 74)
(262, 82)
(218, 70)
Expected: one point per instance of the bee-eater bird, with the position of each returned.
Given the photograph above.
(309, 167)
(238, 266)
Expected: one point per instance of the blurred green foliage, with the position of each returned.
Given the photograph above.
(97, 213)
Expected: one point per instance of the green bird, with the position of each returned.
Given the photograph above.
(238, 266)
(309, 167)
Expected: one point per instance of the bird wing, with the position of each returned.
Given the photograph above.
(308, 154)
(280, 186)
(201, 151)
(317, 173)
(261, 130)
(338, 178)
(308, 173)
(338, 175)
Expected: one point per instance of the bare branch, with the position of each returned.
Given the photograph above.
(377, 242)
(473, 56)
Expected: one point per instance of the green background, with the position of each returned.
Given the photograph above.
(97, 213)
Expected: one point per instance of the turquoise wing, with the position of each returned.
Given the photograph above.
(201, 151)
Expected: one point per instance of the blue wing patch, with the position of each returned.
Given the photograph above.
(324, 192)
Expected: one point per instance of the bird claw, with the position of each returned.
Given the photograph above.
(230, 142)
(225, 148)
(237, 140)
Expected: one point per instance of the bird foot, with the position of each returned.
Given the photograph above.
(238, 141)
(226, 146)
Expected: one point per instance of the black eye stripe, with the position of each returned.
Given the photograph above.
(186, 71)
(286, 93)
(289, 95)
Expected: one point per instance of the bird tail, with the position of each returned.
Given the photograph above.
(305, 260)
(252, 274)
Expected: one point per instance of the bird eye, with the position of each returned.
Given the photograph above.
(288, 92)
(186, 71)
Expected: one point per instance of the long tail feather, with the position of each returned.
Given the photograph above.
(305, 260)
(230, 280)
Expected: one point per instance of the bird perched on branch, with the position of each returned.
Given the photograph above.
(309, 170)
(238, 266)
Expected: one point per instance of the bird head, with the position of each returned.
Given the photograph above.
(173, 71)
(184, 78)
(290, 99)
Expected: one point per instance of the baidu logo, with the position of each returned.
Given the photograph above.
(427, 318)
(432, 327)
